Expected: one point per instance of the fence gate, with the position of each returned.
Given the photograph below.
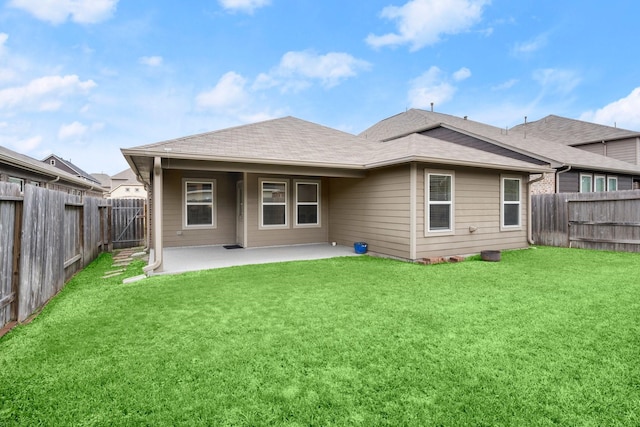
(128, 222)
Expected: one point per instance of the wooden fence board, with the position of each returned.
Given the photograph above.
(606, 221)
(9, 200)
(47, 236)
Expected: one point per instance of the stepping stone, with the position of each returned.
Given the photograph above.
(109, 276)
(138, 254)
(134, 279)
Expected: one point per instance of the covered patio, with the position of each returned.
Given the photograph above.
(183, 259)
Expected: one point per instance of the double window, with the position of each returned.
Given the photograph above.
(439, 197)
(511, 196)
(199, 197)
(275, 206)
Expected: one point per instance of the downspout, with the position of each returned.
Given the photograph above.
(529, 210)
(157, 217)
(558, 178)
(53, 181)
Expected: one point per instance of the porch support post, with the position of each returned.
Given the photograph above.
(156, 195)
(245, 209)
(413, 176)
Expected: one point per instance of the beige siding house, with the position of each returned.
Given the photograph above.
(288, 181)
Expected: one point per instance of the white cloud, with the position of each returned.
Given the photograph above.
(45, 93)
(434, 85)
(462, 74)
(505, 85)
(247, 6)
(623, 113)
(422, 22)
(151, 61)
(557, 80)
(297, 70)
(58, 11)
(229, 92)
(531, 46)
(75, 130)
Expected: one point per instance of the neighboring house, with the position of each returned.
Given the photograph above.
(105, 182)
(576, 170)
(69, 167)
(21, 169)
(287, 181)
(608, 141)
(125, 185)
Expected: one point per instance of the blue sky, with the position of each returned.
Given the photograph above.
(84, 78)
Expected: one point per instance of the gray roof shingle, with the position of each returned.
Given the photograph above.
(572, 132)
(298, 142)
(414, 121)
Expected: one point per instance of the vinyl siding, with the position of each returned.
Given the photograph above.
(175, 234)
(624, 150)
(374, 209)
(570, 181)
(292, 235)
(597, 148)
(477, 204)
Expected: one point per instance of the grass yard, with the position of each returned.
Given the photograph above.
(546, 337)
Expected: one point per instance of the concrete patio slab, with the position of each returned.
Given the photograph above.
(180, 260)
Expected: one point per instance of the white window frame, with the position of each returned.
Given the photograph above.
(427, 203)
(503, 203)
(261, 182)
(317, 204)
(19, 181)
(585, 175)
(213, 203)
(603, 178)
(609, 180)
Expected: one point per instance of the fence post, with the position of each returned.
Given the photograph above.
(17, 247)
(110, 226)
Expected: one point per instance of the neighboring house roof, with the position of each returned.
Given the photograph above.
(71, 167)
(126, 176)
(24, 162)
(419, 121)
(572, 132)
(104, 179)
(292, 141)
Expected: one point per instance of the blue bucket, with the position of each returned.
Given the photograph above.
(360, 247)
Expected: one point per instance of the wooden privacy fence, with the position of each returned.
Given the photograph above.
(45, 237)
(128, 222)
(607, 221)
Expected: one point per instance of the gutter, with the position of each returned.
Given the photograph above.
(157, 218)
(529, 210)
(558, 180)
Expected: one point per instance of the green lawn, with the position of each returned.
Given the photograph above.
(546, 336)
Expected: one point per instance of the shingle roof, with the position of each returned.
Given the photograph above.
(79, 172)
(280, 140)
(28, 163)
(297, 142)
(572, 132)
(415, 120)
